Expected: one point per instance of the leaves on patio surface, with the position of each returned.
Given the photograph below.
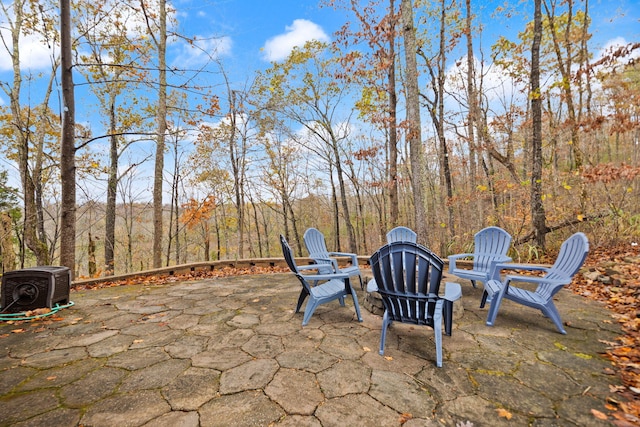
(161, 279)
(612, 275)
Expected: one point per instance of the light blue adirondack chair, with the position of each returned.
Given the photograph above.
(572, 254)
(408, 277)
(334, 286)
(490, 248)
(317, 248)
(402, 234)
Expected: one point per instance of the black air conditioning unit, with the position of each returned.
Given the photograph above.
(36, 287)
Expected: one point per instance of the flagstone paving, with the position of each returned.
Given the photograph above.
(232, 352)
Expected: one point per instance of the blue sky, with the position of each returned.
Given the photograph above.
(248, 34)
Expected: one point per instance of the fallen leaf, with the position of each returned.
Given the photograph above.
(388, 358)
(17, 331)
(599, 415)
(504, 413)
(51, 378)
(366, 348)
(137, 341)
(405, 417)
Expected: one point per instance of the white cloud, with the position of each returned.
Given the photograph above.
(34, 54)
(297, 34)
(612, 46)
(202, 51)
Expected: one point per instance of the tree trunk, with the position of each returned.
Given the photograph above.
(444, 151)
(537, 208)
(565, 66)
(91, 254)
(414, 131)
(67, 145)
(161, 43)
(393, 121)
(112, 184)
(6, 243)
(472, 117)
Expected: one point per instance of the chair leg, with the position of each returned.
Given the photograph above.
(383, 336)
(551, 312)
(483, 301)
(473, 282)
(303, 295)
(312, 304)
(496, 300)
(354, 296)
(448, 316)
(437, 330)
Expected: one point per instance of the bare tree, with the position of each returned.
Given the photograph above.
(537, 208)
(414, 125)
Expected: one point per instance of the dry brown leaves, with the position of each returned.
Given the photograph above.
(196, 275)
(619, 268)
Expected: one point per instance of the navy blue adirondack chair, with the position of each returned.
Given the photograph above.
(397, 234)
(490, 248)
(572, 254)
(335, 285)
(317, 248)
(407, 276)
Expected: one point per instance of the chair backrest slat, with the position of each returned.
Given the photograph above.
(402, 234)
(489, 243)
(571, 256)
(408, 276)
(314, 241)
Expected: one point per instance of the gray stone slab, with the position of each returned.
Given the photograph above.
(248, 408)
(55, 358)
(92, 387)
(221, 360)
(138, 359)
(60, 417)
(133, 409)
(297, 392)
(192, 388)
(176, 419)
(154, 376)
(345, 377)
(356, 410)
(252, 375)
(23, 406)
(402, 393)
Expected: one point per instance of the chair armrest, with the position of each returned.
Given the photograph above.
(328, 262)
(452, 291)
(453, 258)
(497, 268)
(458, 256)
(322, 277)
(535, 279)
(354, 257)
(497, 264)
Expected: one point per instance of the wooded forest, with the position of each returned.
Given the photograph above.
(404, 118)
